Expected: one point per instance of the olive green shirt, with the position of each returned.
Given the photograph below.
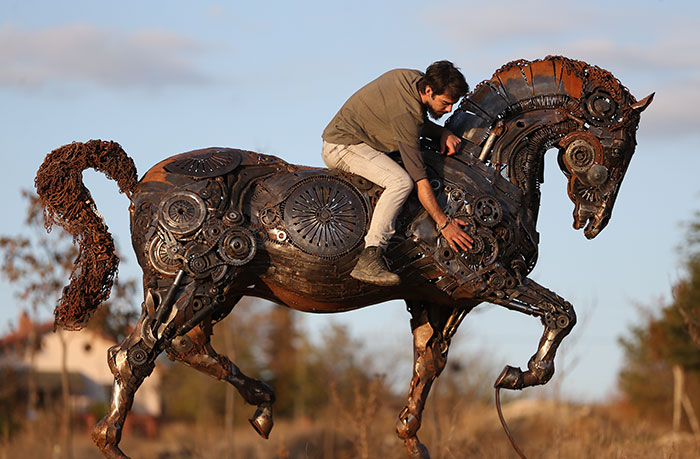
(386, 114)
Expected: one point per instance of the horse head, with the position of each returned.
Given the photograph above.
(595, 157)
(527, 107)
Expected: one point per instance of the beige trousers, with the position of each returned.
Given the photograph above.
(377, 167)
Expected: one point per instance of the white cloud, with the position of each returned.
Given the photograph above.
(674, 110)
(628, 35)
(84, 53)
(508, 21)
(647, 49)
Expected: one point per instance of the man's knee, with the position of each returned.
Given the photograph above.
(402, 185)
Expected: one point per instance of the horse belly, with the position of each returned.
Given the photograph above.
(313, 284)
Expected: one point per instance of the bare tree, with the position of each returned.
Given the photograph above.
(38, 265)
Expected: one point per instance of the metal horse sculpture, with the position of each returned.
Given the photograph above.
(212, 225)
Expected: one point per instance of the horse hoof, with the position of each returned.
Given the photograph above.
(416, 449)
(510, 378)
(262, 421)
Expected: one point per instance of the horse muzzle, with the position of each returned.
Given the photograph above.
(592, 218)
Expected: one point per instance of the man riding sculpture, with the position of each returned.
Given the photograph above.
(391, 114)
(211, 226)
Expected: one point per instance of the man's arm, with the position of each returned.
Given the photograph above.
(449, 143)
(450, 229)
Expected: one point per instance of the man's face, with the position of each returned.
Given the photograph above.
(438, 104)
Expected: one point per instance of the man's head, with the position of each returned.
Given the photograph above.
(441, 87)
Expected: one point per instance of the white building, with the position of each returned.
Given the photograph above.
(90, 379)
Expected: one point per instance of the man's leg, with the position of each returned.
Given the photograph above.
(378, 168)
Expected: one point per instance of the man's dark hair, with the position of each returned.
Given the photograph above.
(444, 78)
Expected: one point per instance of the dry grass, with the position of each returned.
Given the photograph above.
(543, 430)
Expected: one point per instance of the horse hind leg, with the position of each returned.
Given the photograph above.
(130, 362)
(195, 350)
(433, 328)
(133, 360)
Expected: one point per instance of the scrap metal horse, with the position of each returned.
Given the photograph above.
(210, 226)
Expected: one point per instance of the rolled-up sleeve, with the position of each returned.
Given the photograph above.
(407, 134)
(412, 159)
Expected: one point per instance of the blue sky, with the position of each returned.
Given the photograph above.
(165, 77)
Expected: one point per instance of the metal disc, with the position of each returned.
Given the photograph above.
(161, 259)
(182, 212)
(237, 246)
(210, 162)
(325, 216)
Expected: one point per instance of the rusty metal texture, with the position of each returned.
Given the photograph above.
(210, 226)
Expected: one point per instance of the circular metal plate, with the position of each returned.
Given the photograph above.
(182, 212)
(210, 162)
(325, 216)
(237, 247)
(161, 259)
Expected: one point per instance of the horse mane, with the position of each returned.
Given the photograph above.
(562, 75)
(524, 85)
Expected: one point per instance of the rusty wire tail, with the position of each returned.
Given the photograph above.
(66, 202)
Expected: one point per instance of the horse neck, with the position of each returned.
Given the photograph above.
(511, 120)
(519, 151)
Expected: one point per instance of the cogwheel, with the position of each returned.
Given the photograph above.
(488, 211)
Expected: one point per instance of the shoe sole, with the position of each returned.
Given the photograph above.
(375, 281)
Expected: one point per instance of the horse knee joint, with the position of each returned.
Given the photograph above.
(541, 370)
(105, 433)
(431, 361)
(256, 392)
(407, 424)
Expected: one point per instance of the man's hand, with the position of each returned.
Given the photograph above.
(455, 236)
(452, 231)
(449, 143)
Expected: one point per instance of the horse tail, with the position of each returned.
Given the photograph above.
(66, 202)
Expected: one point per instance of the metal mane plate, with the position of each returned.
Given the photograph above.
(209, 162)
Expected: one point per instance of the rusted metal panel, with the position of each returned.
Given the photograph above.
(469, 125)
(515, 83)
(571, 81)
(489, 100)
(544, 78)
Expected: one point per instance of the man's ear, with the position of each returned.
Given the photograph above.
(428, 91)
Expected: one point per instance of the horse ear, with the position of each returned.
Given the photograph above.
(644, 103)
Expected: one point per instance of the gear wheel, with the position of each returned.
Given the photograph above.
(269, 217)
(213, 230)
(601, 108)
(137, 355)
(237, 246)
(488, 210)
(198, 263)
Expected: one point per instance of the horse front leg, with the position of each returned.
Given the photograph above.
(557, 316)
(433, 328)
